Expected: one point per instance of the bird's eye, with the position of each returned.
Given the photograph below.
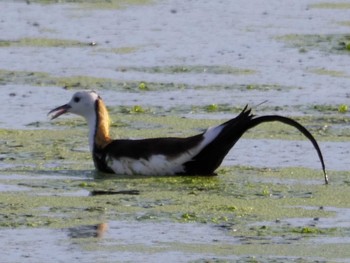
(76, 99)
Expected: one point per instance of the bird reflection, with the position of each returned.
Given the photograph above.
(87, 231)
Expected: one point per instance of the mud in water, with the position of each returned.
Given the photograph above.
(197, 65)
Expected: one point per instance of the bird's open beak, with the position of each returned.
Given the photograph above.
(59, 111)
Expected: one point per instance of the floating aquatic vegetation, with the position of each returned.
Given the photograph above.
(212, 107)
(143, 86)
(329, 5)
(119, 50)
(99, 4)
(337, 43)
(343, 108)
(332, 73)
(344, 23)
(196, 69)
(41, 42)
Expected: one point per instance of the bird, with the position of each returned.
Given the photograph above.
(199, 154)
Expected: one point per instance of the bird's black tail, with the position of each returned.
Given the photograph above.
(269, 118)
(234, 129)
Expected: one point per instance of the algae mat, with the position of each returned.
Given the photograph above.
(49, 187)
(194, 66)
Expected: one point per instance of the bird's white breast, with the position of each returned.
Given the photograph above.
(155, 165)
(159, 164)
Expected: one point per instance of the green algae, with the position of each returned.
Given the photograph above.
(335, 43)
(100, 4)
(114, 4)
(41, 42)
(243, 253)
(78, 82)
(87, 82)
(267, 87)
(40, 145)
(235, 218)
(328, 5)
(332, 73)
(119, 50)
(230, 201)
(53, 178)
(326, 108)
(343, 108)
(53, 43)
(54, 174)
(46, 79)
(191, 69)
(217, 199)
(222, 199)
(344, 23)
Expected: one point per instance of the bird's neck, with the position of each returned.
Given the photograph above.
(99, 127)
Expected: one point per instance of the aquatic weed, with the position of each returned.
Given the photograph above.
(336, 43)
(329, 5)
(41, 42)
(143, 86)
(212, 107)
(137, 109)
(102, 4)
(343, 108)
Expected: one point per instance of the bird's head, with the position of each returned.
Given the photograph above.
(82, 103)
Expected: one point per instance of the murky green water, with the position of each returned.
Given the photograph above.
(195, 66)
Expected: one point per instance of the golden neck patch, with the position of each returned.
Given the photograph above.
(102, 137)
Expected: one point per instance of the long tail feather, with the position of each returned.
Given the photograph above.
(231, 132)
(270, 118)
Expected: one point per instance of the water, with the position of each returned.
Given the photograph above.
(174, 33)
(124, 241)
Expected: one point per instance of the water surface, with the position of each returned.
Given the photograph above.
(201, 61)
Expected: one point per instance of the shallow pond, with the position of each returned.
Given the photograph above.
(194, 66)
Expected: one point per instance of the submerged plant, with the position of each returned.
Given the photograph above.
(143, 86)
(212, 107)
(137, 109)
(343, 108)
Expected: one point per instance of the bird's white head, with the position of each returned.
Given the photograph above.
(89, 105)
(82, 103)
